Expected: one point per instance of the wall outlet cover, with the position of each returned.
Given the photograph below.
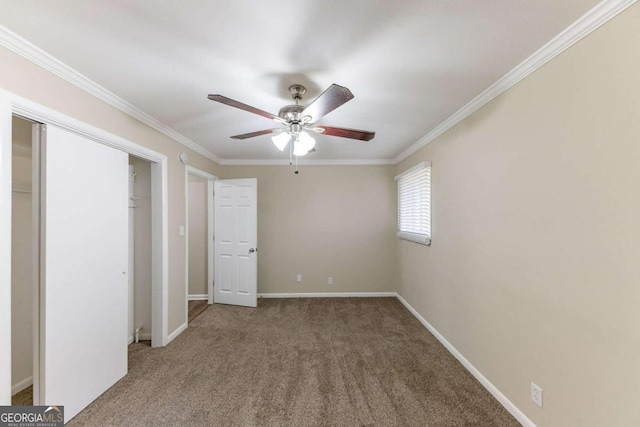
(536, 394)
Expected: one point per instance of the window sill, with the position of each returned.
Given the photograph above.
(416, 238)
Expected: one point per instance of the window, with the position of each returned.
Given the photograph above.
(414, 204)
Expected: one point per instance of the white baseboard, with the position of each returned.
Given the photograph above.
(508, 405)
(146, 336)
(329, 295)
(197, 297)
(17, 388)
(177, 332)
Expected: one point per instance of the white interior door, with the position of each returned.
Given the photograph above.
(85, 257)
(236, 239)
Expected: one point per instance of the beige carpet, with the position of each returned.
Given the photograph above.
(23, 398)
(298, 362)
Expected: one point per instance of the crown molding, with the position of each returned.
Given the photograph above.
(585, 25)
(26, 49)
(307, 162)
(589, 22)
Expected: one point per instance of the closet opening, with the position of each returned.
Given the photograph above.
(24, 260)
(27, 305)
(64, 212)
(140, 252)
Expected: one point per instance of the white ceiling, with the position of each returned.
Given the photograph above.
(410, 64)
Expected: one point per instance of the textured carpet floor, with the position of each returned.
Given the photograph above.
(23, 398)
(298, 362)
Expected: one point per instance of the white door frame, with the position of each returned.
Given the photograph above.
(11, 104)
(5, 250)
(190, 170)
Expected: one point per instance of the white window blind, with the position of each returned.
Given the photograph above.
(414, 204)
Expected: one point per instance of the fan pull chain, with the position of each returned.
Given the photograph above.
(296, 172)
(290, 152)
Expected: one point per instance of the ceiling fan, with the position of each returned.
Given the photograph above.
(300, 121)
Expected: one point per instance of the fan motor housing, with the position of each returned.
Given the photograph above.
(291, 113)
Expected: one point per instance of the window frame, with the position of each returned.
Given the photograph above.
(424, 239)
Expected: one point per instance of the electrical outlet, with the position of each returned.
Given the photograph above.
(330, 281)
(299, 278)
(536, 394)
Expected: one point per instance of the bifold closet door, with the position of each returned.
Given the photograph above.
(85, 263)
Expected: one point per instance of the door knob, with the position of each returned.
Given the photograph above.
(251, 250)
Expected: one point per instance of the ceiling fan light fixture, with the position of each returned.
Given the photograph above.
(281, 140)
(299, 120)
(303, 144)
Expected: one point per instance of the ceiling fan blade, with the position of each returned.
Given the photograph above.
(363, 135)
(245, 107)
(329, 100)
(256, 133)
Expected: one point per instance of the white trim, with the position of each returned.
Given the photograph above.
(39, 113)
(329, 295)
(414, 237)
(160, 194)
(202, 174)
(5, 249)
(307, 162)
(18, 387)
(210, 224)
(26, 49)
(160, 252)
(142, 337)
(177, 332)
(38, 139)
(421, 165)
(589, 22)
(198, 297)
(508, 405)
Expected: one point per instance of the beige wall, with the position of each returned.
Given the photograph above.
(328, 221)
(142, 247)
(24, 78)
(534, 270)
(22, 258)
(198, 249)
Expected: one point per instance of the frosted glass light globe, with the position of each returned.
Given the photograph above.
(281, 140)
(303, 144)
